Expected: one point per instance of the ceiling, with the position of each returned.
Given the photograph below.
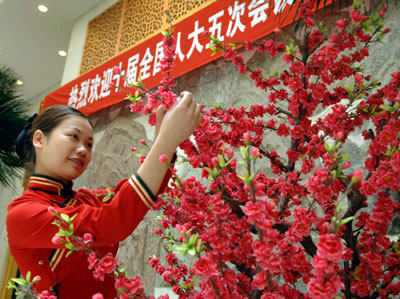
(30, 40)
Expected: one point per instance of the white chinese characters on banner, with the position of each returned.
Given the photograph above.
(131, 74)
(280, 5)
(257, 10)
(235, 21)
(147, 64)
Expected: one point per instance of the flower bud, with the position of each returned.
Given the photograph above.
(346, 164)
(98, 296)
(255, 152)
(51, 210)
(357, 176)
(247, 137)
(56, 240)
(116, 70)
(163, 159)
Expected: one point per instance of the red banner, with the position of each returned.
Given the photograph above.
(226, 20)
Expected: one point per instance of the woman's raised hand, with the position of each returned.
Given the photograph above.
(180, 121)
(173, 127)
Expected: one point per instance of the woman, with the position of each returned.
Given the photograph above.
(59, 144)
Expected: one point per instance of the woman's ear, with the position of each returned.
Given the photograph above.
(37, 140)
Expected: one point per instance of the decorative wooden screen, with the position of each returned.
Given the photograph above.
(128, 22)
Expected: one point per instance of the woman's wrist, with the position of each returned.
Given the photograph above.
(165, 147)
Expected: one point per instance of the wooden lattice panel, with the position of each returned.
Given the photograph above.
(179, 8)
(101, 39)
(141, 19)
(126, 23)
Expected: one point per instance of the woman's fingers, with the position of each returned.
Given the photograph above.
(186, 99)
(161, 111)
(198, 114)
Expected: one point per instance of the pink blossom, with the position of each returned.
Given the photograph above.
(142, 141)
(46, 295)
(330, 247)
(277, 30)
(97, 296)
(341, 25)
(92, 259)
(51, 210)
(132, 149)
(259, 280)
(346, 164)
(203, 267)
(87, 238)
(112, 85)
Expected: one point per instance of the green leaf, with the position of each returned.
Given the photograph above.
(165, 33)
(221, 161)
(66, 218)
(182, 249)
(20, 281)
(244, 152)
(192, 251)
(192, 240)
(28, 276)
(346, 220)
(10, 285)
(388, 108)
(69, 246)
(345, 157)
(339, 207)
(198, 245)
(242, 177)
(73, 217)
(61, 233)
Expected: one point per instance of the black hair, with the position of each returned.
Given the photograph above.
(46, 122)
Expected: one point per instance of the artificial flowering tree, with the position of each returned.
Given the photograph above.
(301, 230)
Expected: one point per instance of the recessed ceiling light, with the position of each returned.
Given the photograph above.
(62, 53)
(19, 82)
(42, 8)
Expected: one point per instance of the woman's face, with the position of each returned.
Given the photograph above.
(65, 153)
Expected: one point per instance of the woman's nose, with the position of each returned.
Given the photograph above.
(81, 150)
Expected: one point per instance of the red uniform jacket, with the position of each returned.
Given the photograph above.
(30, 230)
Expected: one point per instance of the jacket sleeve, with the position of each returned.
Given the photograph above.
(29, 223)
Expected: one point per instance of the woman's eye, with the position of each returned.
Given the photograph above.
(74, 136)
(89, 145)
